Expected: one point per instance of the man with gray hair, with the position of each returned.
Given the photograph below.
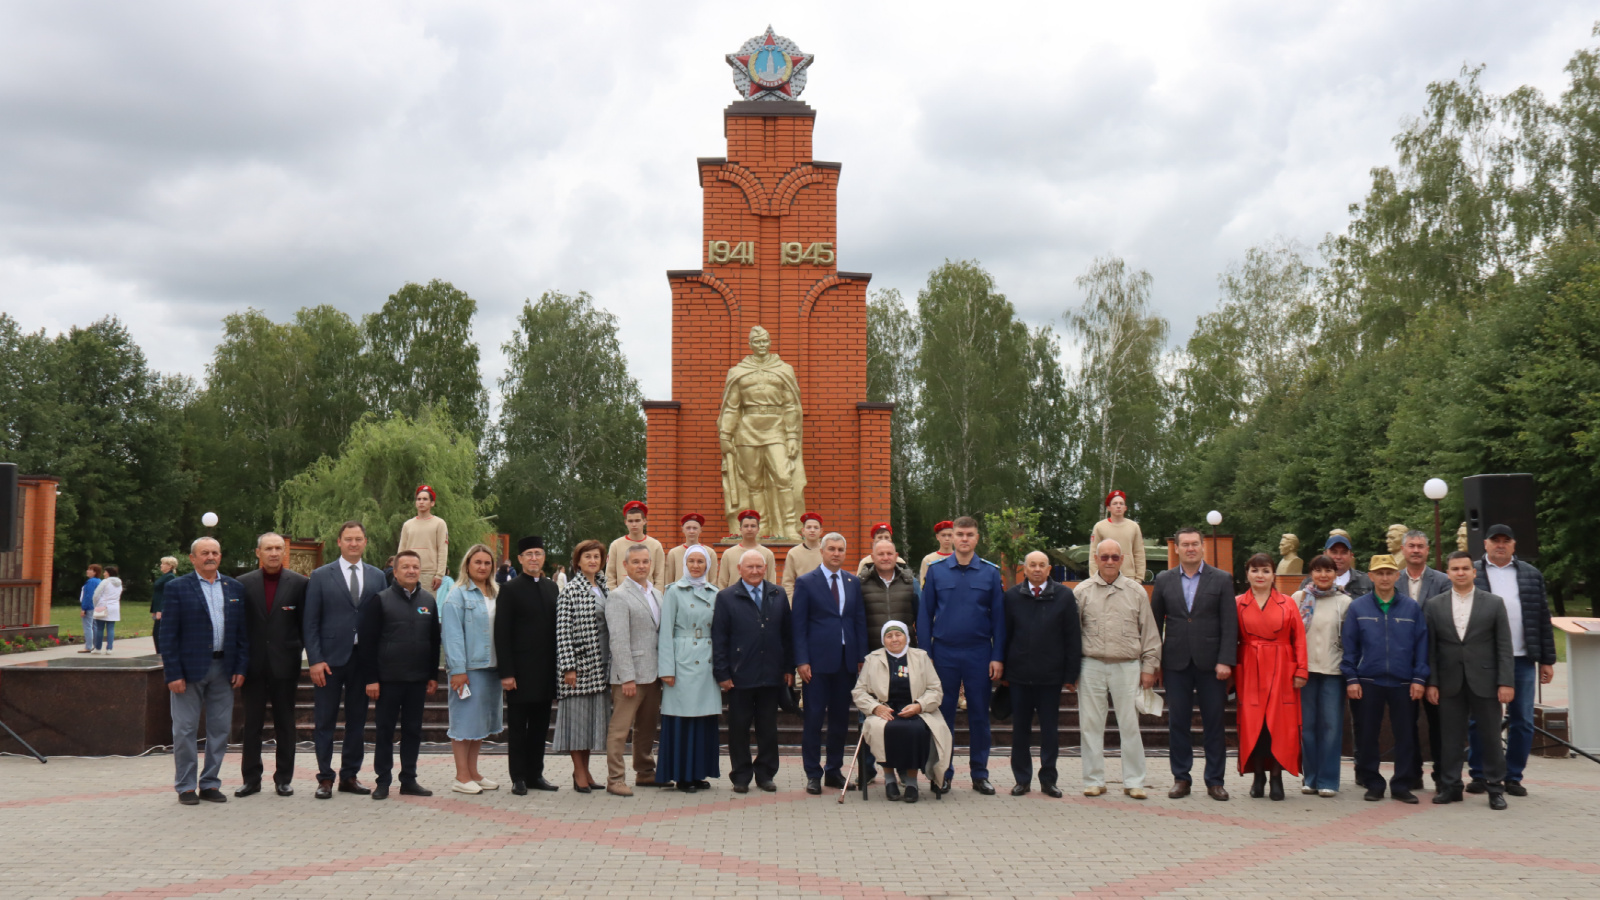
(1121, 655)
(274, 600)
(752, 658)
(1420, 581)
(830, 641)
(633, 623)
(205, 652)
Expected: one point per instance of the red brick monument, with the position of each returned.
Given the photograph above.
(769, 338)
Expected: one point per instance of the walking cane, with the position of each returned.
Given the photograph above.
(853, 757)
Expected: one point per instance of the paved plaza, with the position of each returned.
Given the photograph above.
(112, 828)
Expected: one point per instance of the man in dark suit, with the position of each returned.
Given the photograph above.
(398, 661)
(274, 604)
(334, 598)
(525, 644)
(1194, 609)
(1470, 674)
(1044, 650)
(830, 641)
(1420, 582)
(752, 658)
(205, 652)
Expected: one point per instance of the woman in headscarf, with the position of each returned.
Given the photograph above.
(1125, 531)
(1270, 674)
(899, 693)
(690, 698)
(583, 659)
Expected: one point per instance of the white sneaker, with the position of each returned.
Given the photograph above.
(1325, 792)
(488, 785)
(1307, 789)
(466, 787)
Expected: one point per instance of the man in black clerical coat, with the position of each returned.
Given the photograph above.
(525, 644)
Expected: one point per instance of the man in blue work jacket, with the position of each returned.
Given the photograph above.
(961, 622)
(1385, 669)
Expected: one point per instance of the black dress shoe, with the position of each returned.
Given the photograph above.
(283, 790)
(581, 788)
(1477, 786)
(1258, 788)
(1275, 792)
(248, 788)
(353, 786)
(212, 795)
(910, 794)
(520, 788)
(1017, 790)
(832, 780)
(1373, 794)
(1515, 789)
(981, 785)
(767, 786)
(891, 791)
(412, 789)
(701, 785)
(741, 789)
(1051, 790)
(380, 792)
(324, 790)
(687, 787)
(1404, 796)
(188, 798)
(1447, 795)
(539, 784)
(813, 786)
(1497, 800)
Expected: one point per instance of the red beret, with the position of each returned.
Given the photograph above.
(881, 526)
(692, 517)
(749, 514)
(431, 495)
(943, 525)
(810, 517)
(1115, 494)
(632, 505)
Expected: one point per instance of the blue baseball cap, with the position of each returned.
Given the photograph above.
(1338, 539)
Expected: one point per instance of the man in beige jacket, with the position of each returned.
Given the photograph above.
(1121, 655)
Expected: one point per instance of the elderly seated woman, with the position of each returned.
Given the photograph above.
(899, 693)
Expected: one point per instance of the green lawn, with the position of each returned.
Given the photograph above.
(136, 621)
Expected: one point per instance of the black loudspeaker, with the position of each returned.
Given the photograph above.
(1501, 500)
(8, 507)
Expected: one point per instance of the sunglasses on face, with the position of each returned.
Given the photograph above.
(1117, 558)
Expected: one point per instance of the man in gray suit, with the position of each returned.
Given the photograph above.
(334, 598)
(1421, 582)
(633, 619)
(1194, 608)
(1469, 676)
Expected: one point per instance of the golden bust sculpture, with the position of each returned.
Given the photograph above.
(1461, 538)
(1290, 563)
(1395, 537)
(760, 433)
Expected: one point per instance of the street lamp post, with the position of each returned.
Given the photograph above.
(1214, 519)
(1435, 489)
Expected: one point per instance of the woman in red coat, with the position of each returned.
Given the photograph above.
(1271, 671)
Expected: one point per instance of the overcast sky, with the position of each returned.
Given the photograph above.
(172, 162)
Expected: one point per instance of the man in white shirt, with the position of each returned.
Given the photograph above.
(1469, 677)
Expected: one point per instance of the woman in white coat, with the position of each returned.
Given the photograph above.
(899, 693)
(107, 610)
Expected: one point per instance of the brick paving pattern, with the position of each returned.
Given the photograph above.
(112, 828)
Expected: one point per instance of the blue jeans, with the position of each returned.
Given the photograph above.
(88, 629)
(1322, 730)
(212, 695)
(1519, 727)
(104, 632)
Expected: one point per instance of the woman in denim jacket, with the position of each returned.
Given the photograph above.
(467, 620)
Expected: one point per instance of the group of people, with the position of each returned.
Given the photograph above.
(645, 645)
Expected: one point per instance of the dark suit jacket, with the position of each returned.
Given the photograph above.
(749, 646)
(817, 623)
(1434, 583)
(1206, 637)
(331, 619)
(275, 642)
(1044, 637)
(1481, 663)
(186, 635)
(525, 638)
(1360, 585)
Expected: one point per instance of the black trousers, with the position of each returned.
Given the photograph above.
(827, 703)
(342, 686)
(1435, 748)
(258, 691)
(400, 701)
(758, 705)
(1402, 710)
(1185, 687)
(529, 725)
(1454, 713)
(1028, 701)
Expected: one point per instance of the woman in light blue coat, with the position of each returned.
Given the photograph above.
(466, 620)
(690, 698)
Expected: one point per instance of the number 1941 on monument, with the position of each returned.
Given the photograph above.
(793, 253)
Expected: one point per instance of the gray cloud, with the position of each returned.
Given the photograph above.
(173, 162)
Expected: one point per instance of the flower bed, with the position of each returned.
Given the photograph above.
(26, 644)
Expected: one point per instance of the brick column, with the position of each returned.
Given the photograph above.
(661, 455)
(873, 421)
